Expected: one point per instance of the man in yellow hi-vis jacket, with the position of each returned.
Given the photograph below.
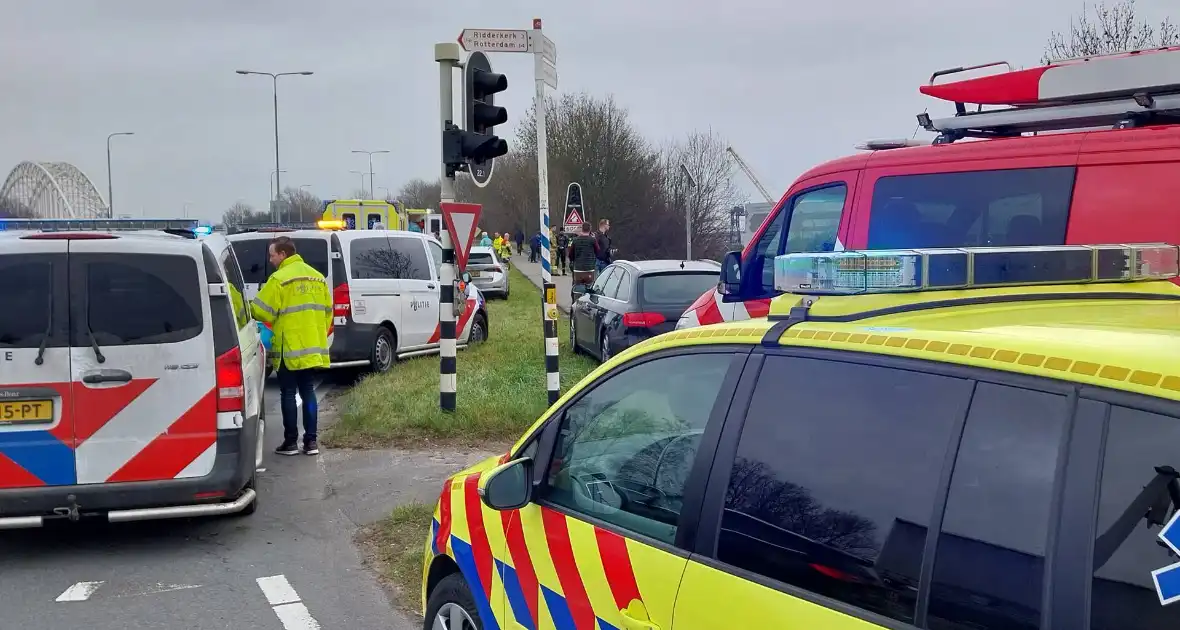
(297, 303)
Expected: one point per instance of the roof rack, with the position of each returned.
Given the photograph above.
(272, 227)
(191, 226)
(1113, 91)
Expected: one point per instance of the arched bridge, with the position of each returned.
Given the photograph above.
(50, 190)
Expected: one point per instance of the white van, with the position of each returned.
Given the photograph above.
(131, 375)
(385, 288)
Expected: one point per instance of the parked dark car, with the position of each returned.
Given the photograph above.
(634, 300)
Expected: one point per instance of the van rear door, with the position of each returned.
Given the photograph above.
(142, 360)
(36, 413)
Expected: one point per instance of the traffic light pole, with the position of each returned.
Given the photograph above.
(549, 299)
(447, 56)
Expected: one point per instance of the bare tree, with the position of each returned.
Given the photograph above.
(241, 213)
(697, 180)
(1111, 29)
(13, 209)
(303, 206)
(419, 193)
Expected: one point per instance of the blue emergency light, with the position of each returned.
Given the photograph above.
(97, 225)
(904, 271)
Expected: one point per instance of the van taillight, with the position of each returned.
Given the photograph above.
(341, 301)
(231, 390)
(642, 320)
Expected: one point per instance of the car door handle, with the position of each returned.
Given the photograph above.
(430, 286)
(98, 377)
(631, 623)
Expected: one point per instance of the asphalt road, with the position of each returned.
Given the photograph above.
(290, 566)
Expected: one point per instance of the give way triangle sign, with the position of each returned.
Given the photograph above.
(462, 219)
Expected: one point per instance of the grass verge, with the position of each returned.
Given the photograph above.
(394, 545)
(501, 386)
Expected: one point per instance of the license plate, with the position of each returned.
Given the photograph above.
(475, 274)
(26, 412)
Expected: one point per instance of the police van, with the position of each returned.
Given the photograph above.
(946, 439)
(385, 290)
(131, 373)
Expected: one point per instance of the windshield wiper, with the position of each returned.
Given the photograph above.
(48, 331)
(93, 341)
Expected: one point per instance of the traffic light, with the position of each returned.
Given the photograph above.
(477, 145)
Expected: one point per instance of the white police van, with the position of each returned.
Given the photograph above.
(131, 373)
(385, 290)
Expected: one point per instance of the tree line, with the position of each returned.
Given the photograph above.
(641, 186)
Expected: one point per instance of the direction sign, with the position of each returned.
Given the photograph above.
(495, 40)
(462, 220)
(575, 216)
(1167, 579)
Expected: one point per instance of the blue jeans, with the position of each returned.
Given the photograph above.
(599, 266)
(302, 381)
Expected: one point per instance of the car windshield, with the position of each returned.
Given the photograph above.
(675, 288)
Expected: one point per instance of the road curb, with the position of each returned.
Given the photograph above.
(537, 283)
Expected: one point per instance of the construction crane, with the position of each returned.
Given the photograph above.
(749, 173)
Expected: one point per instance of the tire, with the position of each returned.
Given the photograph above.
(574, 338)
(604, 351)
(452, 599)
(384, 352)
(479, 330)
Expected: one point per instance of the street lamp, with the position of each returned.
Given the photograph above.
(692, 182)
(302, 186)
(387, 194)
(110, 185)
(274, 76)
(273, 181)
(370, 153)
(362, 174)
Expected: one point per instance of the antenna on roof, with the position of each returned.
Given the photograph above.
(1111, 91)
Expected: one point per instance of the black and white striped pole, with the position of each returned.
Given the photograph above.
(447, 56)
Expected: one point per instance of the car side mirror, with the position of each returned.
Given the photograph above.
(508, 486)
(466, 277)
(730, 282)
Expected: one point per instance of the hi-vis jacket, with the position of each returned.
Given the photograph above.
(297, 303)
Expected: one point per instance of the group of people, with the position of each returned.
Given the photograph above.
(501, 244)
(583, 253)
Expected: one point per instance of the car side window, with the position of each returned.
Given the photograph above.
(989, 562)
(600, 282)
(233, 273)
(623, 291)
(384, 257)
(835, 479)
(436, 257)
(1139, 445)
(611, 288)
(815, 220)
(624, 450)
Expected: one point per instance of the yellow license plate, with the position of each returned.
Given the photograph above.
(475, 274)
(26, 411)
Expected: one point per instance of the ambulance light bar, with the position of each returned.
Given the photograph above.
(905, 271)
(98, 225)
(331, 224)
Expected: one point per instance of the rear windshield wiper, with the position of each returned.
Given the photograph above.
(93, 341)
(48, 331)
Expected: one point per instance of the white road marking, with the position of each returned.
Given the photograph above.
(286, 603)
(79, 592)
(161, 588)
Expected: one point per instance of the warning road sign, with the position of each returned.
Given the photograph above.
(461, 220)
(575, 216)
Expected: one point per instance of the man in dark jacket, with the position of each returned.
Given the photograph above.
(602, 245)
(561, 265)
(582, 258)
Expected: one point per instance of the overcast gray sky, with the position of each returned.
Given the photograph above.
(789, 84)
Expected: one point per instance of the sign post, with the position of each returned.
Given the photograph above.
(544, 53)
(447, 56)
(575, 214)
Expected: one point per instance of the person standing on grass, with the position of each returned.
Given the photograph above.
(582, 257)
(297, 303)
(602, 246)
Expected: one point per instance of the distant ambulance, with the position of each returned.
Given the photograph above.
(363, 214)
